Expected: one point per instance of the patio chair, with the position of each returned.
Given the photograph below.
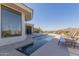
(66, 43)
(76, 43)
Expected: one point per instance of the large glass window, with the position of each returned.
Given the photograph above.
(11, 22)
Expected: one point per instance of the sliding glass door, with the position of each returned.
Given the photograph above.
(28, 30)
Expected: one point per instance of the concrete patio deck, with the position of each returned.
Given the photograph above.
(73, 51)
(10, 50)
(49, 49)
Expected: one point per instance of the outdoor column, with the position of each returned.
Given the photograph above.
(23, 24)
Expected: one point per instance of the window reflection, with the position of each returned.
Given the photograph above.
(11, 22)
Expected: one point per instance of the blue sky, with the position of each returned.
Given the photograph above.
(54, 16)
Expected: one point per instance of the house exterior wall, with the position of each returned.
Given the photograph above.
(10, 40)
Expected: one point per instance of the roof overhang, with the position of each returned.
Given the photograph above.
(21, 8)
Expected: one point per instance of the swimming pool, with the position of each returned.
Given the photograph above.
(38, 42)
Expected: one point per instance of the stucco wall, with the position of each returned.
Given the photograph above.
(10, 40)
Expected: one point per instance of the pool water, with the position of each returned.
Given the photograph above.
(38, 42)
